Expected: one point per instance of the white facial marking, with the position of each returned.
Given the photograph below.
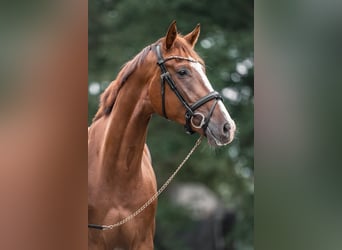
(227, 116)
(199, 69)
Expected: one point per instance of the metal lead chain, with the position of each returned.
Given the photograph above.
(155, 196)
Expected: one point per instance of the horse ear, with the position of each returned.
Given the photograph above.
(171, 35)
(192, 37)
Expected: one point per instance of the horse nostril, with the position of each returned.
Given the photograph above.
(226, 128)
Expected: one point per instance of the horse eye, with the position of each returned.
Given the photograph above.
(182, 72)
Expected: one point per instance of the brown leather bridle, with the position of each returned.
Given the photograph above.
(190, 109)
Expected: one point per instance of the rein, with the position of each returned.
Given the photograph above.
(190, 109)
(153, 198)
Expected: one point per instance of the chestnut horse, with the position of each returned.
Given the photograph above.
(167, 78)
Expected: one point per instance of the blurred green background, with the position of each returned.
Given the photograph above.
(118, 30)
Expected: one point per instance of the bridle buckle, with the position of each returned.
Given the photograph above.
(164, 75)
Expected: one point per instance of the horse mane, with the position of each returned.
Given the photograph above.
(108, 97)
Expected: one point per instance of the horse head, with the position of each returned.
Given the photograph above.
(181, 91)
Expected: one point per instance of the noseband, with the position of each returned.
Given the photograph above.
(190, 112)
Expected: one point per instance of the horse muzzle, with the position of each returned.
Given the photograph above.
(221, 127)
(220, 134)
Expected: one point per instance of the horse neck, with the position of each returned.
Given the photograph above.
(126, 130)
